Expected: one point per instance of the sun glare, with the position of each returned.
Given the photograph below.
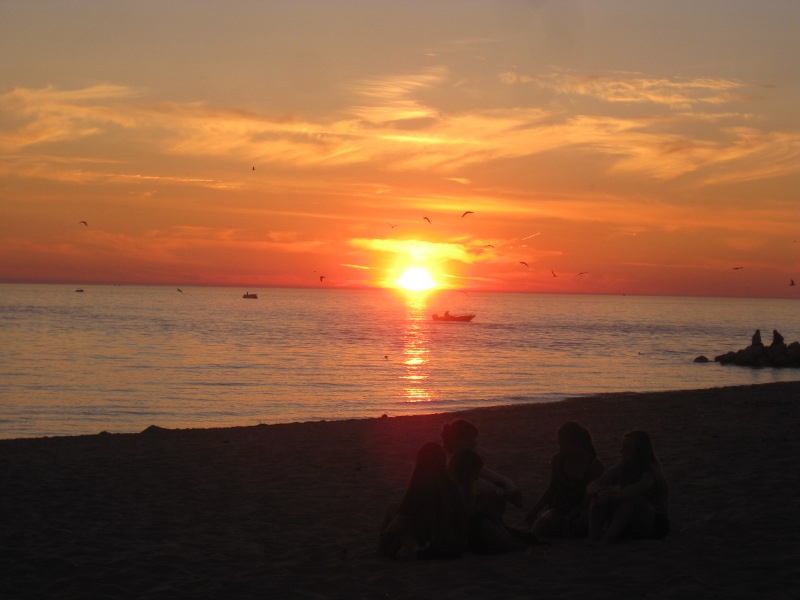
(416, 279)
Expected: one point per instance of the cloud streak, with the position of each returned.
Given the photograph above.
(636, 88)
(391, 127)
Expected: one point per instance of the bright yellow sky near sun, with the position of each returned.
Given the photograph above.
(577, 147)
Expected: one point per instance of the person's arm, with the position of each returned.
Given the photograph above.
(497, 479)
(645, 483)
(507, 487)
(603, 482)
(597, 470)
(545, 497)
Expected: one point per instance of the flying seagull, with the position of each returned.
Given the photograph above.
(553, 272)
(427, 219)
(467, 212)
(737, 268)
(321, 277)
(527, 266)
(488, 246)
(180, 290)
(84, 222)
(581, 273)
(392, 226)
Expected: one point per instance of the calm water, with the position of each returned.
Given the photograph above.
(121, 358)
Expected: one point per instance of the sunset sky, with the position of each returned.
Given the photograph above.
(652, 147)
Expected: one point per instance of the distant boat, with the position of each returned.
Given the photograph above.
(251, 296)
(79, 290)
(456, 318)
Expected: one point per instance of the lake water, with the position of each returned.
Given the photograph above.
(121, 358)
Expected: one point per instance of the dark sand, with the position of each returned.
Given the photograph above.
(294, 510)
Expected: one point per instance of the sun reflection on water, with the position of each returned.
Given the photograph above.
(416, 349)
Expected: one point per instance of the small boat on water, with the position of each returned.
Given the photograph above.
(251, 296)
(455, 318)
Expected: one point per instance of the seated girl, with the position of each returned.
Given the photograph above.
(564, 506)
(630, 499)
(431, 520)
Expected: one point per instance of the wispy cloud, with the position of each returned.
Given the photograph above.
(392, 127)
(50, 115)
(629, 87)
(392, 99)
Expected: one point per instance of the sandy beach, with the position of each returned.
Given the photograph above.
(294, 510)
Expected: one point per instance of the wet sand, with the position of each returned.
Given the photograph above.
(294, 510)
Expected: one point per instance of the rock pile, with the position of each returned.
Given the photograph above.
(777, 354)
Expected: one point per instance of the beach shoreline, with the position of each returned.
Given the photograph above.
(294, 509)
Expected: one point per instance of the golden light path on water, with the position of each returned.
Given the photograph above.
(416, 348)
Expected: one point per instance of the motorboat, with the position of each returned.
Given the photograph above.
(250, 296)
(454, 318)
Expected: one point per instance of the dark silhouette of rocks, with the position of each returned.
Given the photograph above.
(777, 354)
(701, 359)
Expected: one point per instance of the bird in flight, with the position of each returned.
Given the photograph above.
(791, 283)
(467, 212)
(488, 246)
(84, 222)
(392, 226)
(737, 268)
(553, 272)
(254, 168)
(321, 277)
(527, 266)
(427, 219)
(581, 273)
(180, 290)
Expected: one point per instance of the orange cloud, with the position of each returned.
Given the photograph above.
(417, 250)
(661, 146)
(637, 88)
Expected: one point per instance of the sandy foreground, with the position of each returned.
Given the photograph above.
(293, 511)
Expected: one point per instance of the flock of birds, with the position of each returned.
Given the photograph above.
(487, 246)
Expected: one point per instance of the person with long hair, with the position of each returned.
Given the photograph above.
(431, 520)
(630, 499)
(563, 508)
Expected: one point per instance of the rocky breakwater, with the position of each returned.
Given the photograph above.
(777, 354)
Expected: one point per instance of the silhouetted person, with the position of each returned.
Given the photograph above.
(431, 519)
(631, 497)
(757, 338)
(465, 469)
(493, 492)
(563, 508)
(461, 434)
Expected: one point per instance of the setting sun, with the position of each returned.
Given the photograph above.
(416, 279)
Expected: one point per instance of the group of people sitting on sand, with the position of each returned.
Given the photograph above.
(454, 503)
